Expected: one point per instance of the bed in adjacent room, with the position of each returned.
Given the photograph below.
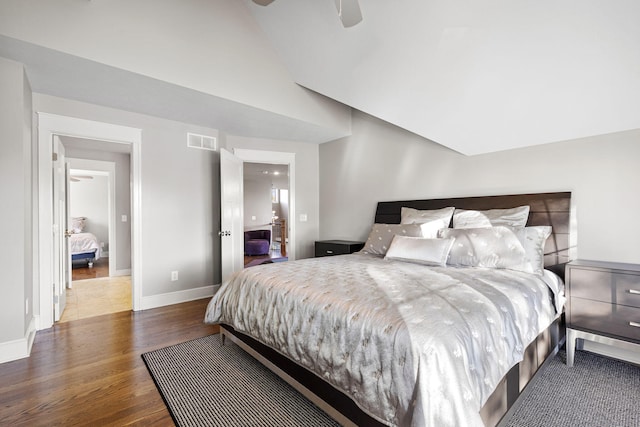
(441, 319)
(84, 246)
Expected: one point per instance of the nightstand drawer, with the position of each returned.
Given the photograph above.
(606, 286)
(612, 319)
(337, 247)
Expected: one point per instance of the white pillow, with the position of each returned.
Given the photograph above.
(419, 250)
(494, 247)
(415, 216)
(78, 224)
(381, 236)
(513, 217)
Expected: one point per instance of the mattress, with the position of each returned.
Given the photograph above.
(411, 345)
(84, 242)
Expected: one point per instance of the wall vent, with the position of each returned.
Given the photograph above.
(202, 142)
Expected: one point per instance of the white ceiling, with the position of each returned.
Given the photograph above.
(474, 75)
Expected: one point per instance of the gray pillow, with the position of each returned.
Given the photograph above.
(381, 235)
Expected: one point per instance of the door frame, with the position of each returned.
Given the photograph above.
(278, 158)
(53, 124)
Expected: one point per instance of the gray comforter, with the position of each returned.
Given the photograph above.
(412, 345)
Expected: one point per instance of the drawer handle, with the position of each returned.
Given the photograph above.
(636, 324)
(330, 252)
(634, 291)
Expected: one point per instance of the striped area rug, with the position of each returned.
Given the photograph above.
(205, 383)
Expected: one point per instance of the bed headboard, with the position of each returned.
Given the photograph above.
(552, 209)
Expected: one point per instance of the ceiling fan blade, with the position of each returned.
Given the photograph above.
(263, 2)
(349, 12)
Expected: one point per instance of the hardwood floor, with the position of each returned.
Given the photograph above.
(89, 371)
(81, 271)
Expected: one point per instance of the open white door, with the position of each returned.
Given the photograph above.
(231, 214)
(61, 254)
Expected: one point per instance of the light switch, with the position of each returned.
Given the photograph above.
(253, 217)
(124, 218)
(303, 217)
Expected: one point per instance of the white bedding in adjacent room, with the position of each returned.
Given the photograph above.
(412, 345)
(83, 243)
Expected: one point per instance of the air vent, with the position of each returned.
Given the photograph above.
(202, 142)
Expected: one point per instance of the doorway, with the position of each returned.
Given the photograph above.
(266, 213)
(231, 204)
(102, 134)
(100, 282)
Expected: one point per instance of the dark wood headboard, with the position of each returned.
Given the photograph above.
(552, 209)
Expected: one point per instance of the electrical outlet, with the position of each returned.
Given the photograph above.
(174, 276)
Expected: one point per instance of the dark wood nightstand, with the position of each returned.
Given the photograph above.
(337, 247)
(603, 307)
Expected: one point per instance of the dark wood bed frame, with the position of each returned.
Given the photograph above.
(546, 209)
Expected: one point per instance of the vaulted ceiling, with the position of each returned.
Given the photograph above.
(476, 76)
(473, 75)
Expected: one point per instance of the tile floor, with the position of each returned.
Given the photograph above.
(95, 297)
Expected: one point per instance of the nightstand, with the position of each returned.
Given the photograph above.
(337, 247)
(603, 309)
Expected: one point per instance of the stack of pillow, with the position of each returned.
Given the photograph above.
(495, 238)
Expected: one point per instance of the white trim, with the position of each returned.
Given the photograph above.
(52, 124)
(123, 272)
(110, 168)
(278, 158)
(177, 297)
(20, 348)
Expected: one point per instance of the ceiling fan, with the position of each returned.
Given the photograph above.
(348, 11)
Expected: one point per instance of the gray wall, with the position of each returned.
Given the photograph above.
(123, 199)
(179, 187)
(257, 202)
(383, 162)
(16, 218)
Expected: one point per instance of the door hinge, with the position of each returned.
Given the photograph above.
(54, 157)
(56, 299)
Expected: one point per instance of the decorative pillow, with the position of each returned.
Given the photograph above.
(78, 224)
(533, 240)
(495, 247)
(381, 235)
(420, 250)
(514, 217)
(415, 216)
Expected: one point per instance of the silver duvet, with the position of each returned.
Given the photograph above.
(412, 345)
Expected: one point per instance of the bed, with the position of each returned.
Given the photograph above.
(84, 246)
(390, 341)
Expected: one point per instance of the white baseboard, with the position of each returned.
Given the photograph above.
(161, 300)
(20, 348)
(125, 272)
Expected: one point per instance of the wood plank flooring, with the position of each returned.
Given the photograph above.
(89, 371)
(81, 271)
